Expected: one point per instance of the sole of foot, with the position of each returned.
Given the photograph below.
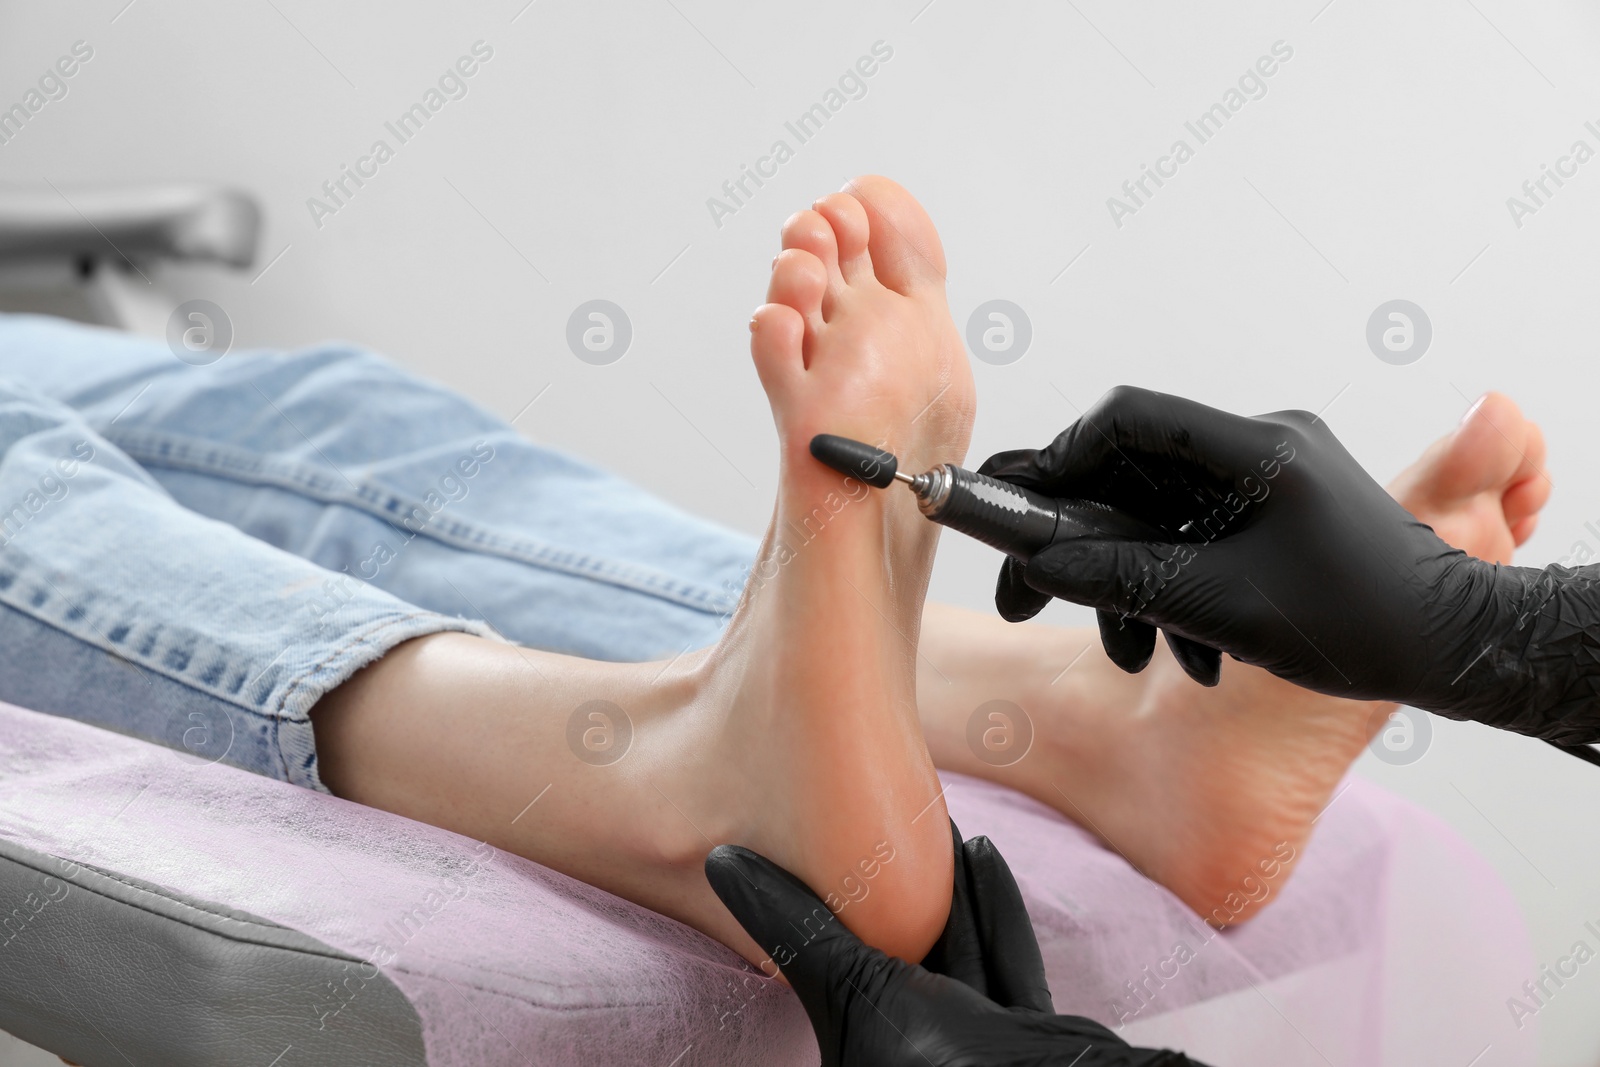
(820, 661)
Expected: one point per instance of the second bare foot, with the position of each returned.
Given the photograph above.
(1213, 792)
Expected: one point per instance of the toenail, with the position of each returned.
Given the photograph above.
(752, 324)
(774, 262)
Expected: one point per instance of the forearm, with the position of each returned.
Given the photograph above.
(1534, 657)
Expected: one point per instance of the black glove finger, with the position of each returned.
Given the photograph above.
(792, 925)
(1121, 577)
(1200, 662)
(1016, 465)
(1014, 598)
(1129, 643)
(1015, 965)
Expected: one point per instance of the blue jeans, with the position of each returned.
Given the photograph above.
(195, 555)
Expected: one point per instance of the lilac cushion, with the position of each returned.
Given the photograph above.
(507, 962)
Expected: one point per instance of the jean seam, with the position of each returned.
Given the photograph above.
(140, 662)
(158, 449)
(73, 614)
(97, 637)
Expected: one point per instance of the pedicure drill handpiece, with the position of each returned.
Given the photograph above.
(1014, 520)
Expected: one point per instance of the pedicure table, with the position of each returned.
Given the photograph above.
(159, 909)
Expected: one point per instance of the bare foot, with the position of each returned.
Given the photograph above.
(1481, 487)
(1211, 792)
(856, 339)
(797, 735)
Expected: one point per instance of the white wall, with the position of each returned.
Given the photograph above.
(579, 164)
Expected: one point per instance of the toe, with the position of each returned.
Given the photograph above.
(904, 246)
(1486, 451)
(799, 280)
(1524, 500)
(810, 232)
(849, 221)
(777, 333)
(1530, 487)
(1532, 455)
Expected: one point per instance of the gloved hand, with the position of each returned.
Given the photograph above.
(1284, 553)
(990, 1007)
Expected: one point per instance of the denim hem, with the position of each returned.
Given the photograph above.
(152, 448)
(292, 731)
(228, 667)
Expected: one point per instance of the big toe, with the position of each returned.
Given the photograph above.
(903, 243)
(1528, 494)
(1481, 487)
(1494, 448)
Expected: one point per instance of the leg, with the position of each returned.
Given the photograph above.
(336, 503)
(122, 609)
(384, 479)
(797, 734)
(1211, 792)
(467, 733)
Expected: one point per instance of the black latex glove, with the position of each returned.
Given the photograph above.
(1128, 642)
(991, 1007)
(1286, 554)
